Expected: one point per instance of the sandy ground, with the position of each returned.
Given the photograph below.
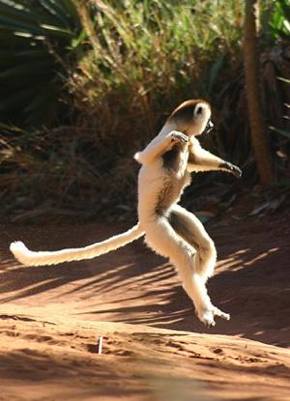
(51, 319)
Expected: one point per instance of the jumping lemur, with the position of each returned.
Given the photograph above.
(170, 230)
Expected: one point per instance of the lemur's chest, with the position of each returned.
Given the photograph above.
(175, 179)
(175, 160)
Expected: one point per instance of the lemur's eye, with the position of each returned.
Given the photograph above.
(198, 110)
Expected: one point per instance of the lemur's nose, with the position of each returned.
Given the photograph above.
(209, 126)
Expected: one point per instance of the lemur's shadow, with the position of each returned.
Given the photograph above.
(254, 291)
(135, 286)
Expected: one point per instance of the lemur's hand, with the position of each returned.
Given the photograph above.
(178, 137)
(231, 168)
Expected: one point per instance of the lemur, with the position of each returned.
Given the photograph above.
(170, 230)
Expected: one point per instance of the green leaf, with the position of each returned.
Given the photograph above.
(284, 79)
(33, 35)
(26, 70)
(281, 131)
(13, 101)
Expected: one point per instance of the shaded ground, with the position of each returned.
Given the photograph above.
(51, 317)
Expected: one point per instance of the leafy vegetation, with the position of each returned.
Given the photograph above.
(89, 83)
(280, 20)
(35, 38)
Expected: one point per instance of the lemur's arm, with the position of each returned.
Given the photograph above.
(159, 145)
(202, 160)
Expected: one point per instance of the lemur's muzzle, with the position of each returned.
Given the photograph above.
(209, 127)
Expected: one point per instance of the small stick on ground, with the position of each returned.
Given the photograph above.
(100, 345)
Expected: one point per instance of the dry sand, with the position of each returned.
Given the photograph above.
(51, 319)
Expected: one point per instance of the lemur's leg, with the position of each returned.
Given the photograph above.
(190, 228)
(159, 146)
(163, 239)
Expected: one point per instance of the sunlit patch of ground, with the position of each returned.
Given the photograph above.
(51, 319)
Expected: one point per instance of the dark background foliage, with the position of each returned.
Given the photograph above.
(84, 85)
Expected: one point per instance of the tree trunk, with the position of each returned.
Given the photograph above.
(252, 78)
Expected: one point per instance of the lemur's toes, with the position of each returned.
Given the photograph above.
(207, 318)
(221, 314)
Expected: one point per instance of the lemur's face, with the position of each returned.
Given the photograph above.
(193, 117)
(201, 122)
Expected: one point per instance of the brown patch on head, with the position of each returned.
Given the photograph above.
(185, 110)
(183, 115)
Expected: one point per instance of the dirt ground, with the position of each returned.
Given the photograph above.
(154, 349)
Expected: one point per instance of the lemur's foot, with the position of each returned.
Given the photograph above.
(207, 316)
(221, 314)
(178, 137)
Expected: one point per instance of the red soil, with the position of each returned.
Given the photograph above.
(153, 346)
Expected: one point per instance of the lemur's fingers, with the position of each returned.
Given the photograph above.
(231, 168)
(177, 136)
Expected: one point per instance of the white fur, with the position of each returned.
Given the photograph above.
(201, 119)
(194, 266)
(193, 258)
(30, 258)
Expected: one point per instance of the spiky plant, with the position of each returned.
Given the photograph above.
(36, 38)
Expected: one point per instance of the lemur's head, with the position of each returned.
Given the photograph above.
(192, 117)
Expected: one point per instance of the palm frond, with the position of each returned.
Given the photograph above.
(35, 40)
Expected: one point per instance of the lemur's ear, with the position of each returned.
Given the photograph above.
(198, 110)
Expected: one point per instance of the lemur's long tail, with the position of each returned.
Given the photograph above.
(31, 258)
